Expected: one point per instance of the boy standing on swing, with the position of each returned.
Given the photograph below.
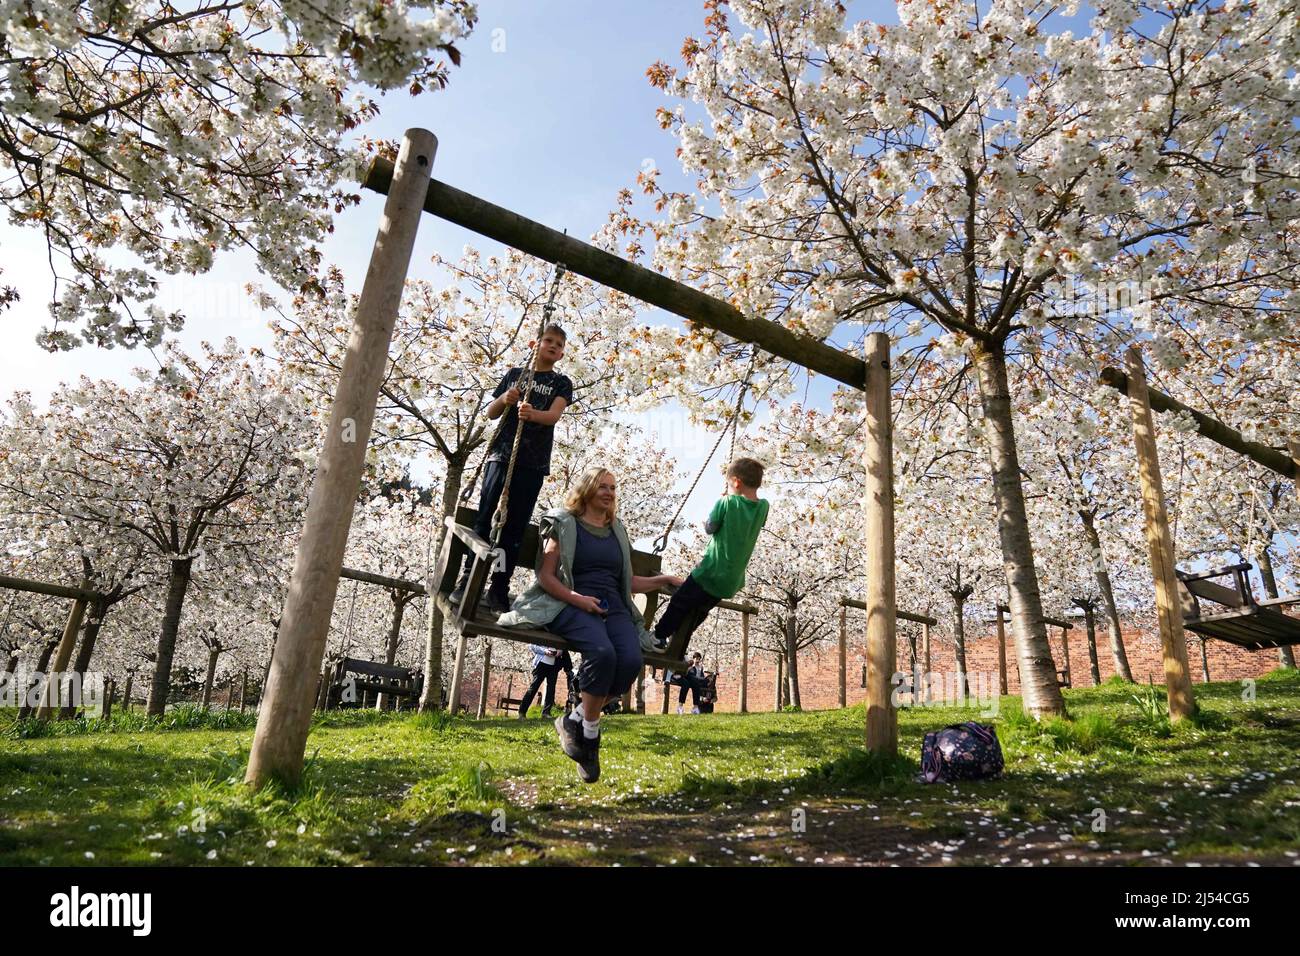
(551, 393)
(734, 523)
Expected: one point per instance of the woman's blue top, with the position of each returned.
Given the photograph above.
(598, 566)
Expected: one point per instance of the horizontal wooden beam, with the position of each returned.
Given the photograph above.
(40, 587)
(383, 580)
(1050, 621)
(617, 273)
(1211, 428)
(901, 615)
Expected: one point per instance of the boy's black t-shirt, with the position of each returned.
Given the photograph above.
(535, 444)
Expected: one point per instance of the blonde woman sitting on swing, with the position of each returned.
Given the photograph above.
(583, 593)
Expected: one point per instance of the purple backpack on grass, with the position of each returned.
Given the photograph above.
(968, 751)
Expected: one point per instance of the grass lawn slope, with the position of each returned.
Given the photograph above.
(1115, 784)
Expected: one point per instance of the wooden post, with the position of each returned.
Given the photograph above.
(486, 676)
(1160, 544)
(925, 644)
(50, 700)
(744, 662)
(285, 719)
(844, 656)
(1002, 653)
(882, 621)
(1065, 651)
(780, 667)
(457, 675)
(243, 691)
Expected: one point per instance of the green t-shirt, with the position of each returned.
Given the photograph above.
(736, 522)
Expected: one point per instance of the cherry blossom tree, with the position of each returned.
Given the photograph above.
(946, 172)
(174, 134)
(201, 462)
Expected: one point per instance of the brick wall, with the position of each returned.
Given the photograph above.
(819, 668)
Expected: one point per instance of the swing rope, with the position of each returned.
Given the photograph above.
(525, 386)
(661, 542)
(352, 607)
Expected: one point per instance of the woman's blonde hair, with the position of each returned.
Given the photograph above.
(580, 494)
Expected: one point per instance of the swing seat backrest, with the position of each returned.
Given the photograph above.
(1194, 588)
(643, 563)
(1233, 614)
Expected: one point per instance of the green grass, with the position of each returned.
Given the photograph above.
(771, 788)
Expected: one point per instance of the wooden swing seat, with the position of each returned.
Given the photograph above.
(472, 620)
(1248, 623)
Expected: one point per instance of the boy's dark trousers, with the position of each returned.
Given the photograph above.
(541, 672)
(690, 602)
(694, 685)
(525, 486)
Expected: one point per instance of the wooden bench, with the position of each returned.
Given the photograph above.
(470, 619)
(349, 677)
(1247, 623)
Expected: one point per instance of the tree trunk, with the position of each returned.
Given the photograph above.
(959, 638)
(1205, 662)
(780, 682)
(213, 654)
(94, 622)
(792, 658)
(1285, 656)
(1102, 573)
(42, 662)
(1039, 693)
(431, 696)
(177, 584)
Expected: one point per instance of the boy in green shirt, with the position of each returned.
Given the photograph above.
(734, 523)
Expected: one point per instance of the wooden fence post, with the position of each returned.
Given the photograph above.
(50, 697)
(486, 676)
(1002, 652)
(1160, 545)
(925, 644)
(844, 656)
(744, 662)
(882, 611)
(285, 717)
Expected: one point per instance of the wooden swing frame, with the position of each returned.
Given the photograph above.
(280, 742)
(1250, 624)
